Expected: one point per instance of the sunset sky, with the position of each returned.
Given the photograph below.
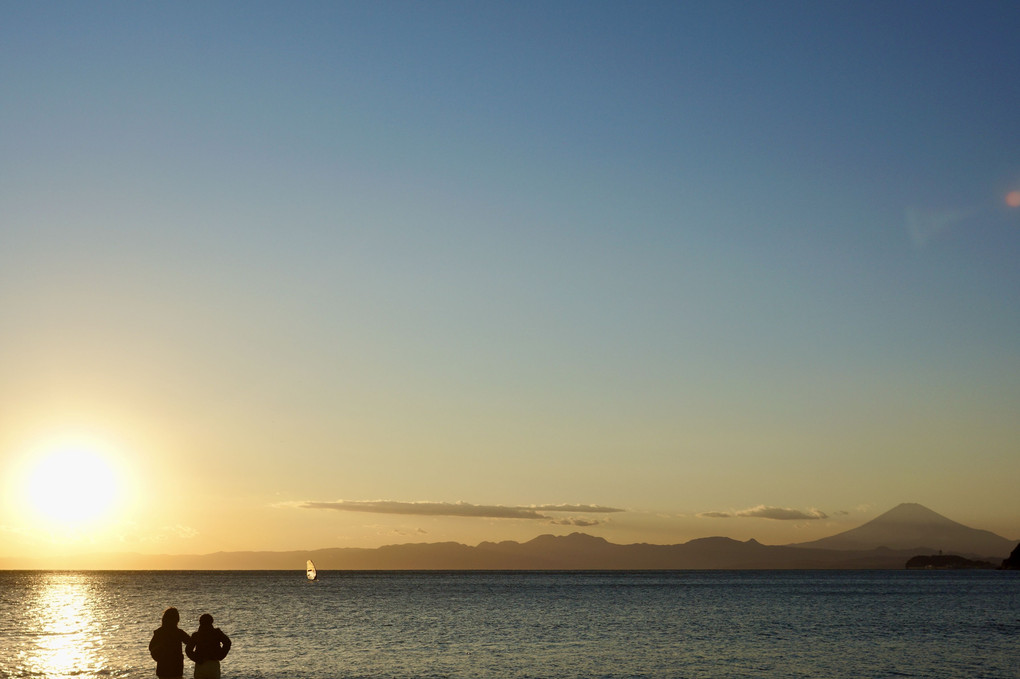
(303, 275)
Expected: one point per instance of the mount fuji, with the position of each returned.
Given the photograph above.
(915, 527)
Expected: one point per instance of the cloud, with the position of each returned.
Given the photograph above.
(923, 225)
(15, 530)
(774, 513)
(782, 513)
(592, 509)
(404, 532)
(462, 509)
(574, 521)
(157, 535)
(182, 531)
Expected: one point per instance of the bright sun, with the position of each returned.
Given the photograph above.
(72, 486)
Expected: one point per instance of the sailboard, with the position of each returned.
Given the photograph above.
(310, 571)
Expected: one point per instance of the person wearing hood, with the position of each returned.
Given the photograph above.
(165, 647)
(208, 646)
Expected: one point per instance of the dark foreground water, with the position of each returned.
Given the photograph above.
(524, 624)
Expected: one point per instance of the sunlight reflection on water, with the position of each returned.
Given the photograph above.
(64, 629)
(510, 625)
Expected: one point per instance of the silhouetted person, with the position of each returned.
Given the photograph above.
(165, 647)
(208, 646)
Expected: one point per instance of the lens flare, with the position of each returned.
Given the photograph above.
(1013, 199)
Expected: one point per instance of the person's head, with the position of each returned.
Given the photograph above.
(171, 617)
(205, 620)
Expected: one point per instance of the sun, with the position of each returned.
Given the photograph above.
(72, 486)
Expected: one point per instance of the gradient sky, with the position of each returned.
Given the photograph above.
(311, 274)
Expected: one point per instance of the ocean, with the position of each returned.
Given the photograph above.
(523, 625)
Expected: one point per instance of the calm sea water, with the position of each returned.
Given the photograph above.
(524, 624)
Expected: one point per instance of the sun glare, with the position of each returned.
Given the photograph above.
(71, 486)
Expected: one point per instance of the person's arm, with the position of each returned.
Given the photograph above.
(189, 646)
(225, 645)
(153, 646)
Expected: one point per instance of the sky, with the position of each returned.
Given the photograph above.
(286, 276)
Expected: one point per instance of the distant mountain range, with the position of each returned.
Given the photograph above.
(885, 542)
(916, 528)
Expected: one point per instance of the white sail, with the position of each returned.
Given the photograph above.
(310, 570)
